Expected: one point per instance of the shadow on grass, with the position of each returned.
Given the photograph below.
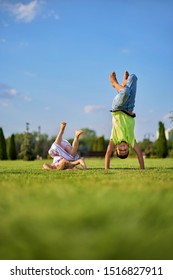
(159, 168)
(131, 168)
(40, 171)
(117, 168)
(19, 172)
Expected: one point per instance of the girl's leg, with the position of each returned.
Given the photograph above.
(58, 139)
(73, 150)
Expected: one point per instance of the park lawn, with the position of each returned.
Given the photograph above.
(121, 213)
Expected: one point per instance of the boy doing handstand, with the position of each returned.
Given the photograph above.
(63, 153)
(123, 123)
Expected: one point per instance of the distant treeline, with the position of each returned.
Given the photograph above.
(30, 146)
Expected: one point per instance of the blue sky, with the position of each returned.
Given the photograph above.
(56, 57)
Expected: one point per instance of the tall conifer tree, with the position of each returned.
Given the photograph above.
(3, 149)
(12, 153)
(162, 145)
(26, 152)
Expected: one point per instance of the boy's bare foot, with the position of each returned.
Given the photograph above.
(113, 79)
(79, 132)
(126, 75)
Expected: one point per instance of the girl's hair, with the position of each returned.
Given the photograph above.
(65, 165)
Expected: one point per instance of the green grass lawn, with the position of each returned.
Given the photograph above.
(121, 213)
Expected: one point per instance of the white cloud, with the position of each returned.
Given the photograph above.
(27, 98)
(5, 103)
(30, 74)
(7, 94)
(53, 15)
(126, 51)
(24, 12)
(23, 44)
(47, 108)
(28, 12)
(151, 111)
(92, 108)
(12, 91)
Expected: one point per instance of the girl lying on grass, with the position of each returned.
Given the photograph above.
(63, 153)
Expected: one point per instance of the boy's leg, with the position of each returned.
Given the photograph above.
(58, 139)
(123, 92)
(132, 83)
(132, 86)
(125, 78)
(73, 150)
(114, 82)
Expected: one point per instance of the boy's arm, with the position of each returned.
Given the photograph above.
(139, 155)
(108, 154)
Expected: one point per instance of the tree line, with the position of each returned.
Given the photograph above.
(30, 146)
